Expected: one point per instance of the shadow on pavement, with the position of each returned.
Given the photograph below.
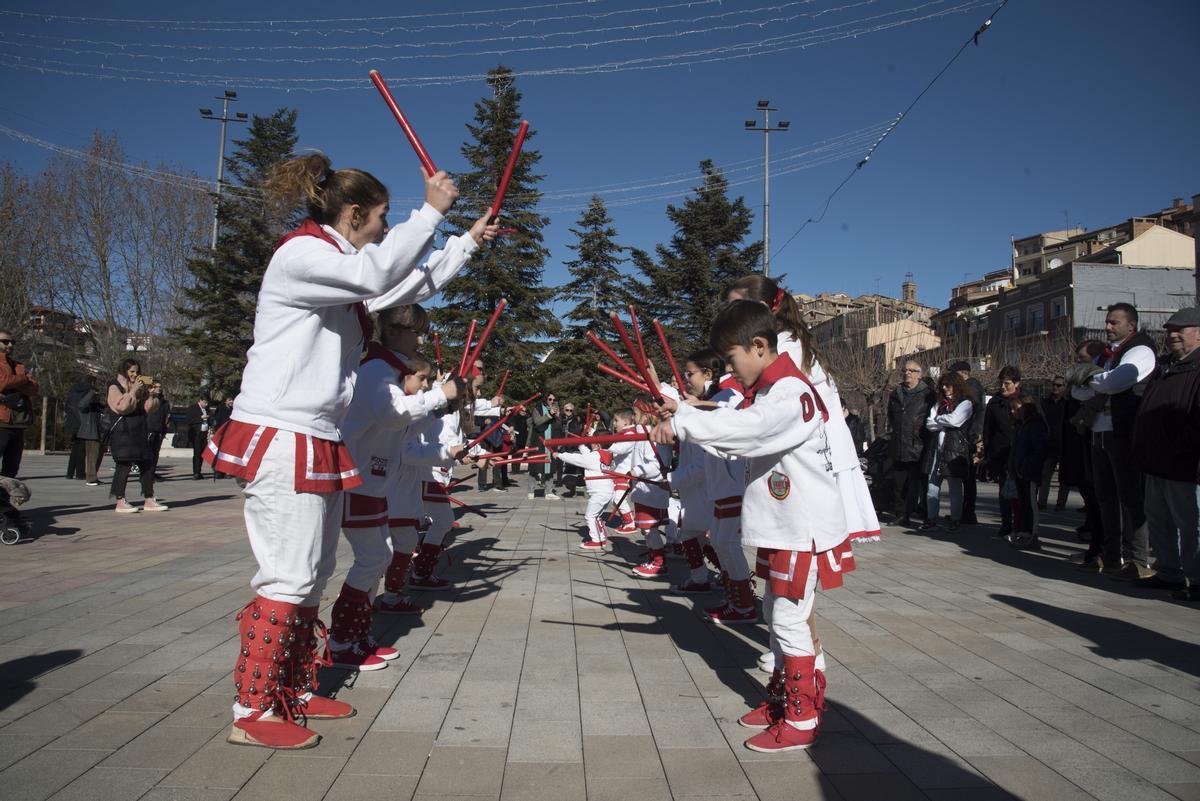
(19, 674)
(1114, 638)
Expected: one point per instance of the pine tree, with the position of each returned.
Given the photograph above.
(597, 287)
(705, 255)
(512, 266)
(221, 304)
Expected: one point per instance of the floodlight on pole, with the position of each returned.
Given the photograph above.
(764, 106)
(225, 119)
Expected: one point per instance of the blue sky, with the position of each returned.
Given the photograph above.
(1079, 110)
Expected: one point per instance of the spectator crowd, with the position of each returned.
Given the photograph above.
(1121, 425)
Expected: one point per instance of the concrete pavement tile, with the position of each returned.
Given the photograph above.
(57, 718)
(1187, 791)
(704, 771)
(546, 741)
(847, 753)
(218, 765)
(1028, 779)
(109, 784)
(391, 753)
(621, 757)
(617, 789)
(364, 787)
(16, 746)
(933, 767)
(40, 775)
(292, 777)
(463, 770)
(108, 731)
(974, 794)
(535, 781)
(789, 780)
(187, 794)
(162, 747)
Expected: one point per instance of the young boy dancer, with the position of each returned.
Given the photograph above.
(622, 458)
(599, 490)
(800, 530)
(650, 497)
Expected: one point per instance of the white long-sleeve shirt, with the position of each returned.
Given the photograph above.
(380, 421)
(593, 470)
(940, 422)
(300, 370)
(792, 500)
(724, 476)
(1136, 365)
(841, 442)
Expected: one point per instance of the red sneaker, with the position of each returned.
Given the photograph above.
(709, 611)
(318, 707)
(626, 528)
(733, 617)
(690, 587)
(375, 649)
(770, 710)
(651, 569)
(780, 737)
(593, 545)
(269, 731)
(404, 605)
(429, 584)
(355, 658)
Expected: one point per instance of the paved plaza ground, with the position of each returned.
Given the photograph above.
(959, 669)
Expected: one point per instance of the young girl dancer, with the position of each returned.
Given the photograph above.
(284, 439)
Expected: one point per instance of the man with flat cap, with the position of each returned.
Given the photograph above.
(1166, 436)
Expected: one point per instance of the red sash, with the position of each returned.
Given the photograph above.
(237, 449)
(311, 227)
(787, 571)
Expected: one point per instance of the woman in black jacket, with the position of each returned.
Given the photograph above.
(129, 402)
(948, 456)
(1030, 446)
(81, 398)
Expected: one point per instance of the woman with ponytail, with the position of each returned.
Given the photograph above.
(284, 438)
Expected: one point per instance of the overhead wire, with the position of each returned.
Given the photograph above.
(974, 38)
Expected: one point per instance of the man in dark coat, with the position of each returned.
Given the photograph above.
(997, 439)
(1055, 411)
(199, 422)
(1166, 446)
(908, 406)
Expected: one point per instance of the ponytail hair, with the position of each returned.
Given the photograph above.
(785, 309)
(311, 180)
(707, 359)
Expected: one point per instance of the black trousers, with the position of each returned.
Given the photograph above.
(910, 487)
(12, 445)
(121, 477)
(77, 463)
(969, 491)
(198, 445)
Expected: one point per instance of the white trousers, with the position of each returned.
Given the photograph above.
(294, 535)
(787, 620)
(727, 542)
(597, 503)
(372, 549)
(442, 516)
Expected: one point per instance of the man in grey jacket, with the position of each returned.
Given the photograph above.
(908, 407)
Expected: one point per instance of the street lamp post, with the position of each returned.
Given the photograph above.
(752, 125)
(224, 119)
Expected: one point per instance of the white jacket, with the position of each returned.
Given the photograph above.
(792, 500)
(593, 467)
(300, 370)
(379, 422)
(723, 476)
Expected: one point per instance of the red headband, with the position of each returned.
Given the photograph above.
(775, 304)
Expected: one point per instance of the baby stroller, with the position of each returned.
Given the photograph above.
(13, 527)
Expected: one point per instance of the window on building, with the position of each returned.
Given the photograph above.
(1037, 318)
(1058, 308)
(1012, 321)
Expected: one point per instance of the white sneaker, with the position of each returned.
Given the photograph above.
(530, 495)
(550, 496)
(766, 662)
(151, 505)
(123, 508)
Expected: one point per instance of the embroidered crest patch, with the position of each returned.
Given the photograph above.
(779, 485)
(378, 466)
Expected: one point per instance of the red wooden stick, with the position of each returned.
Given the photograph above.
(631, 477)
(469, 508)
(523, 460)
(587, 419)
(662, 338)
(487, 331)
(610, 353)
(437, 351)
(651, 387)
(508, 168)
(598, 439)
(501, 421)
(500, 391)
(637, 332)
(638, 385)
(413, 139)
(462, 363)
